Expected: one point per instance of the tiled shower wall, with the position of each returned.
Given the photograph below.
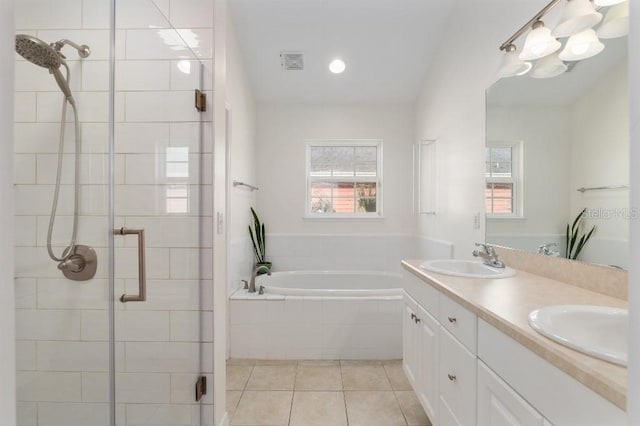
(62, 326)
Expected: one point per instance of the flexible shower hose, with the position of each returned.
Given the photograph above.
(76, 184)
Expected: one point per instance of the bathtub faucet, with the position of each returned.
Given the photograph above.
(256, 271)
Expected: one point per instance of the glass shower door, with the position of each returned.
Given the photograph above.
(162, 285)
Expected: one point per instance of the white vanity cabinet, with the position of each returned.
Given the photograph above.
(439, 365)
(468, 373)
(457, 380)
(420, 354)
(499, 405)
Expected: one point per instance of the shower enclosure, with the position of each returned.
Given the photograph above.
(132, 344)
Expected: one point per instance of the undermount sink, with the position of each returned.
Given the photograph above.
(466, 268)
(598, 331)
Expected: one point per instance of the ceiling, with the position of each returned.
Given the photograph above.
(387, 46)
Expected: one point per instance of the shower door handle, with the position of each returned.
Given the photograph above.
(142, 266)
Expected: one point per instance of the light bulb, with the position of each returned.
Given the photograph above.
(337, 66)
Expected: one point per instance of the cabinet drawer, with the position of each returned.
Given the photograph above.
(457, 379)
(422, 292)
(459, 322)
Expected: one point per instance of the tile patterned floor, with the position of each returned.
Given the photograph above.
(321, 393)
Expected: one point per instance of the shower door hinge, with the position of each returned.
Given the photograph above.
(201, 100)
(201, 387)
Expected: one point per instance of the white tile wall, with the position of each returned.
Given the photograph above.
(351, 252)
(73, 414)
(62, 326)
(48, 386)
(316, 328)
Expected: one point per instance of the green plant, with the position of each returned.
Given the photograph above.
(574, 242)
(258, 237)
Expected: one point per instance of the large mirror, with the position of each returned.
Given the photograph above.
(556, 146)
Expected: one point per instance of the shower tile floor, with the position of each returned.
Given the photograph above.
(321, 393)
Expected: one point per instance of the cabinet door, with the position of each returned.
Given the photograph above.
(499, 405)
(457, 381)
(410, 344)
(427, 389)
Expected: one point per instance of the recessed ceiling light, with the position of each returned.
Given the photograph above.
(337, 66)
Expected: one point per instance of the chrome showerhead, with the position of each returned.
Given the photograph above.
(48, 56)
(38, 52)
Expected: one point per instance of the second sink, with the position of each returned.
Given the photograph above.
(598, 331)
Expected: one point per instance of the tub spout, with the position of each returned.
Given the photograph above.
(256, 270)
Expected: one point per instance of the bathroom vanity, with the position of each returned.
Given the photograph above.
(473, 359)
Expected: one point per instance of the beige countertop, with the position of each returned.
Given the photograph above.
(506, 303)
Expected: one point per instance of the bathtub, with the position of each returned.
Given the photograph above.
(319, 315)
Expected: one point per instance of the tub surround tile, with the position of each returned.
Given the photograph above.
(318, 409)
(270, 408)
(365, 377)
(413, 412)
(370, 408)
(271, 377)
(323, 378)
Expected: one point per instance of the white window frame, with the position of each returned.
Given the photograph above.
(377, 179)
(517, 178)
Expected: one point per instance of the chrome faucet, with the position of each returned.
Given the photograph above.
(489, 255)
(256, 270)
(546, 250)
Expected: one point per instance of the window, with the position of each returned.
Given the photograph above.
(344, 179)
(177, 176)
(503, 171)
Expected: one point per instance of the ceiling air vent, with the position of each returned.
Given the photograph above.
(292, 61)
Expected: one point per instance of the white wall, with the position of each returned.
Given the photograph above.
(599, 157)
(451, 109)
(242, 161)
(633, 394)
(7, 301)
(281, 135)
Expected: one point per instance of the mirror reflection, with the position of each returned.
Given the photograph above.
(558, 146)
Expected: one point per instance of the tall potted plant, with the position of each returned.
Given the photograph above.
(258, 238)
(574, 242)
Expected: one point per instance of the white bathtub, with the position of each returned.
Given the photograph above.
(319, 315)
(332, 283)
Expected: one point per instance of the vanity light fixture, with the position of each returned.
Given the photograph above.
(604, 3)
(511, 64)
(576, 21)
(578, 15)
(539, 43)
(580, 46)
(337, 66)
(549, 66)
(616, 22)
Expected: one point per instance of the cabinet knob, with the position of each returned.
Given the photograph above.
(452, 320)
(413, 316)
(417, 320)
(452, 377)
